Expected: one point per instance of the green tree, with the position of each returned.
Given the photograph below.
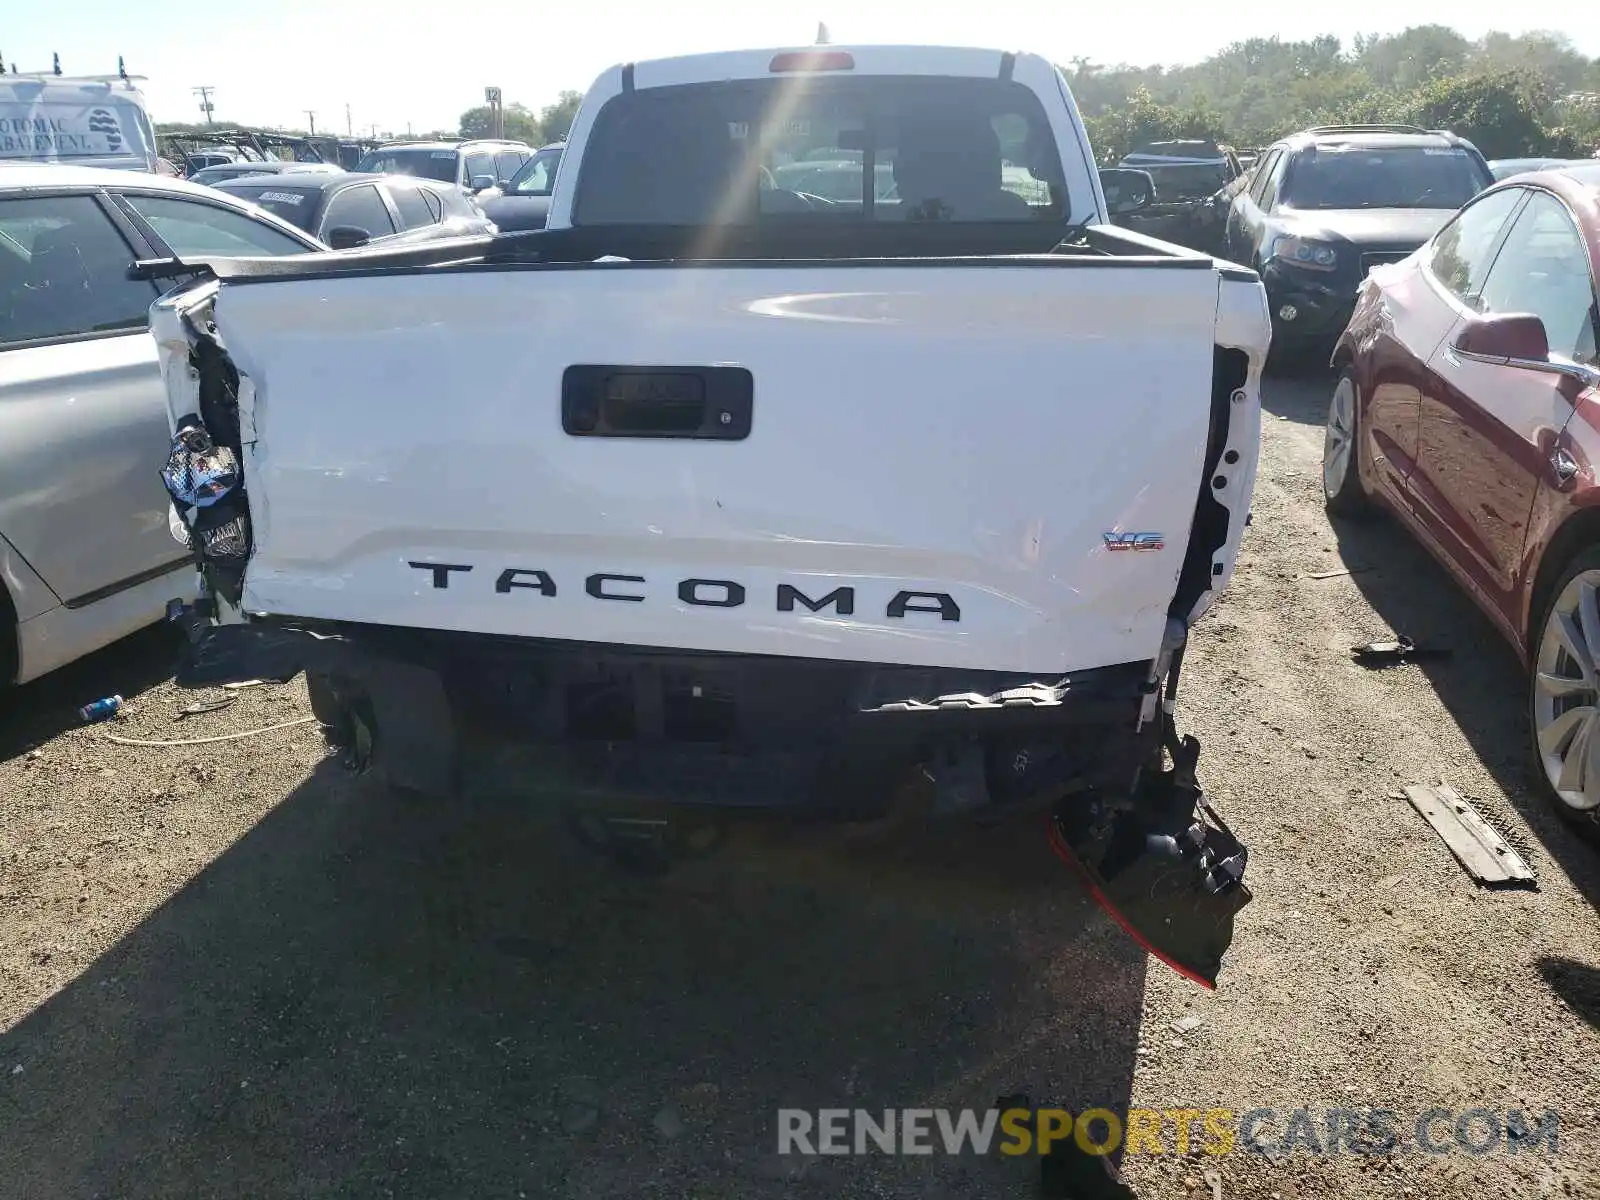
(520, 123)
(1549, 57)
(1576, 124)
(1144, 119)
(1258, 89)
(1406, 60)
(1497, 112)
(556, 119)
(550, 124)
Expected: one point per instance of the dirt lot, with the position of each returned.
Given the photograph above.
(235, 970)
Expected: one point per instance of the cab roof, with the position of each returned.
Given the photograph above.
(865, 59)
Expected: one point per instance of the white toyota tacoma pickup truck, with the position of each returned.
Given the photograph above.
(829, 440)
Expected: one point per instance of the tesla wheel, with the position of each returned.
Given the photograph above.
(1564, 694)
(1342, 492)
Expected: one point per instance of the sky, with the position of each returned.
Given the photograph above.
(270, 61)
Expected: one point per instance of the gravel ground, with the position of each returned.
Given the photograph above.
(236, 970)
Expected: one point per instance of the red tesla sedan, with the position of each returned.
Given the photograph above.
(1468, 403)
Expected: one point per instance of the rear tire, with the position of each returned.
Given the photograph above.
(1285, 359)
(330, 709)
(1563, 702)
(348, 723)
(1343, 493)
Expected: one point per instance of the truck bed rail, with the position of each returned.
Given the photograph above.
(794, 246)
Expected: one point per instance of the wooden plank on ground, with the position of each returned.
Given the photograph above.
(1477, 847)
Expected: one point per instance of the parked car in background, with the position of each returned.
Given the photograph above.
(1505, 168)
(833, 179)
(1466, 403)
(204, 160)
(1324, 206)
(1190, 178)
(85, 555)
(524, 202)
(86, 120)
(347, 210)
(473, 166)
(244, 170)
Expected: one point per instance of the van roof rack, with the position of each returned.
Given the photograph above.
(1374, 128)
(55, 72)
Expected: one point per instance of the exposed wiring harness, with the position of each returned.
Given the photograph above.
(206, 741)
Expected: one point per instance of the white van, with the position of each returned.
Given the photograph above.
(85, 120)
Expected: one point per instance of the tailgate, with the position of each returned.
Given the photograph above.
(966, 465)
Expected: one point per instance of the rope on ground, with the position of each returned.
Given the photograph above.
(206, 741)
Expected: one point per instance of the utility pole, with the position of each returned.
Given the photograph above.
(205, 101)
(349, 129)
(312, 117)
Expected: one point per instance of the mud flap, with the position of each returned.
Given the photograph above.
(1161, 863)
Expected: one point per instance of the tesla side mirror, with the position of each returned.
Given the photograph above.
(482, 182)
(1519, 340)
(1514, 339)
(348, 237)
(1126, 189)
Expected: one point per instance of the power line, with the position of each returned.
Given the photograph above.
(205, 101)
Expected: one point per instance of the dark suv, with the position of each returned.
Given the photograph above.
(1325, 206)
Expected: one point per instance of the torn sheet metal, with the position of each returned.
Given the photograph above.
(1402, 649)
(1483, 852)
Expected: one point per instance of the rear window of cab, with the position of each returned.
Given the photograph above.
(936, 149)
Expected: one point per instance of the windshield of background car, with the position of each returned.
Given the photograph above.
(296, 205)
(1182, 180)
(427, 164)
(804, 146)
(538, 175)
(1401, 177)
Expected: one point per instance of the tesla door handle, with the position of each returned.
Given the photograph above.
(1564, 466)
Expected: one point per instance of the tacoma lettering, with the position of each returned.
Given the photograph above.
(441, 571)
(843, 600)
(539, 581)
(595, 585)
(732, 593)
(704, 593)
(928, 602)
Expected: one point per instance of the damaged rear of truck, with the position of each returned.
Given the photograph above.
(709, 511)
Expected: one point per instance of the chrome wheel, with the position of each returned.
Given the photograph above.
(1338, 443)
(1566, 694)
